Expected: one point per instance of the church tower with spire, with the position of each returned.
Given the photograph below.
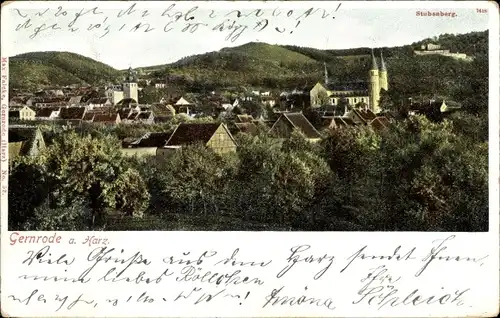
(374, 87)
(130, 88)
(326, 74)
(383, 74)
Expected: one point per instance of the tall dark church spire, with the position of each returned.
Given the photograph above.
(326, 74)
(382, 63)
(374, 62)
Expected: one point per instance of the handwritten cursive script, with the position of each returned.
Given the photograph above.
(172, 18)
(295, 277)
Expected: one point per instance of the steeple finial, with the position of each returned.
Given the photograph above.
(382, 63)
(374, 62)
(326, 73)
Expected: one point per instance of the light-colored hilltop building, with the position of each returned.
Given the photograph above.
(435, 49)
(129, 89)
(362, 94)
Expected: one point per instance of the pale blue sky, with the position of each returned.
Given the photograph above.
(356, 24)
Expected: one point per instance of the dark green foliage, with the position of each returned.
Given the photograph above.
(32, 70)
(418, 175)
(25, 196)
(75, 174)
(273, 66)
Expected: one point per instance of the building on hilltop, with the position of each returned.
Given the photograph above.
(436, 49)
(365, 93)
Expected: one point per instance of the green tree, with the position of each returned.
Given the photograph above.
(433, 180)
(28, 189)
(192, 180)
(386, 103)
(94, 169)
(47, 217)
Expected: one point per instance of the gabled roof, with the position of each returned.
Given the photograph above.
(22, 139)
(367, 114)
(43, 112)
(189, 133)
(144, 115)
(384, 120)
(19, 99)
(72, 113)
(300, 122)
(267, 124)
(249, 128)
(348, 86)
(133, 115)
(245, 118)
(105, 118)
(89, 116)
(124, 112)
(182, 102)
(126, 102)
(348, 121)
(357, 113)
(379, 123)
(46, 111)
(162, 110)
(75, 100)
(99, 100)
(152, 139)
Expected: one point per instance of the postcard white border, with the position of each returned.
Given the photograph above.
(480, 241)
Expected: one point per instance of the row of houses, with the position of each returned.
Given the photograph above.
(107, 115)
(28, 140)
(219, 137)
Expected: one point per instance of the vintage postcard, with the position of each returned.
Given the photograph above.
(249, 159)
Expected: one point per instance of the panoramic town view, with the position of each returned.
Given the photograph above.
(255, 137)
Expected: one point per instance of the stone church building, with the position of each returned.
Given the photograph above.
(359, 94)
